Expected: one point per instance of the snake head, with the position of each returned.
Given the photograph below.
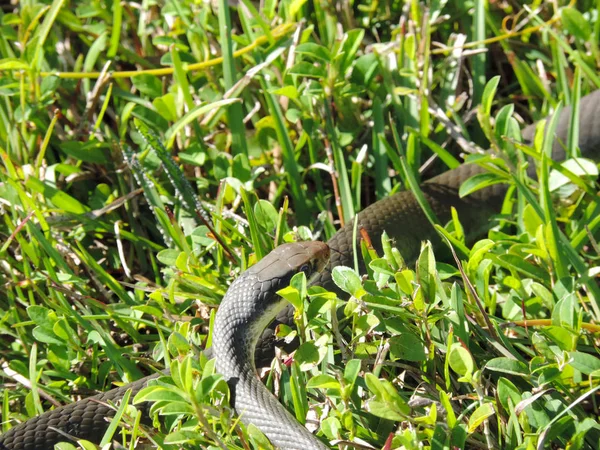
(287, 260)
(253, 296)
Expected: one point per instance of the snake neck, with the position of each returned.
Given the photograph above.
(244, 313)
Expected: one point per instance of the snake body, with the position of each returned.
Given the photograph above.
(250, 301)
(404, 221)
(238, 324)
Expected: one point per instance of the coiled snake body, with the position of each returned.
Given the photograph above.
(251, 300)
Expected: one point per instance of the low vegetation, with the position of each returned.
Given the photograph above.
(151, 151)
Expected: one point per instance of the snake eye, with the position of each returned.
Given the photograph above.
(305, 268)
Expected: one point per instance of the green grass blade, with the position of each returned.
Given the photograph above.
(234, 111)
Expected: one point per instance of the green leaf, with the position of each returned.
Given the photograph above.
(42, 316)
(289, 91)
(307, 355)
(296, 7)
(92, 152)
(531, 220)
(305, 69)
(439, 438)
(314, 50)
(240, 168)
(584, 362)
(506, 390)
(168, 256)
(479, 181)
(425, 270)
(194, 155)
(47, 336)
(95, 52)
(520, 265)
(149, 85)
(44, 31)
(460, 360)
(81, 443)
(323, 381)
(13, 64)
(177, 408)
(351, 371)
(364, 69)
(258, 438)
(292, 295)
(575, 23)
(63, 330)
(481, 413)
(408, 347)
(347, 280)
(383, 410)
(580, 167)
(178, 344)
(488, 95)
(381, 265)
(566, 312)
(564, 338)
(266, 215)
(405, 280)
(331, 426)
(166, 106)
(387, 402)
(508, 366)
(503, 119)
(207, 385)
(350, 44)
(191, 116)
(158, 393)
(183, 437)
(447, 404)
(116, 34)
(59, 198)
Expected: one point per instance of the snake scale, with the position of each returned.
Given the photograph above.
(250, 302)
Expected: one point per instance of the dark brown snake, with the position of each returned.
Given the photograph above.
(250, 303)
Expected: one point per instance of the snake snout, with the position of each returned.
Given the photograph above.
(322, 253)
(286, 260)
(309, 257)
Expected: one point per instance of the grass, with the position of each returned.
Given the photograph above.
(151, 151)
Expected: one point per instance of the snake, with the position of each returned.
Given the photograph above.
(250, 304)
(251, 301)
